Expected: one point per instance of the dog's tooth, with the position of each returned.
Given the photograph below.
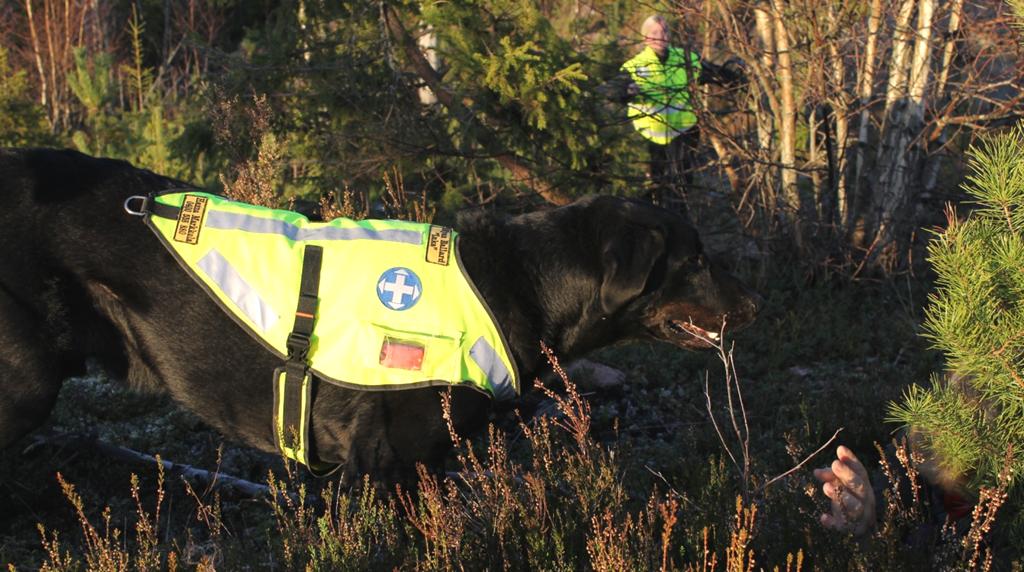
(713, 335)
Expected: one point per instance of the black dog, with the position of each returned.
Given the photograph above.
(80, 279)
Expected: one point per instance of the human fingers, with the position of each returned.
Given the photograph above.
(853, 508)
(848, 458)
(847, 513)
(844, 501)
(824, 474)
(832, 489)
(850, 479)
(834, 521)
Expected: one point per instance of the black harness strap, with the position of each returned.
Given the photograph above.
(305, 313)
(156, 208)
(296, 391)
(299, 339)
(163, 211)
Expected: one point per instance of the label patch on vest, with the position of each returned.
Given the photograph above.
(190, 219)
(399, 288)
(439, 245)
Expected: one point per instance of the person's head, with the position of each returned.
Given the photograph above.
(656, 34)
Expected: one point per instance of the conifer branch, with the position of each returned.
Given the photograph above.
(484, 136)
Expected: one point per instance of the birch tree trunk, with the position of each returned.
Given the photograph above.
(43, 84)
(725, 157)
(865, 91)
(956, 10)
(840, 103)
(427, 42)
(787, 127)
(896, 90)
(766, 35)
(898, 72)
(814, 159)
(55, 95)
(908, 121)
(939, 94)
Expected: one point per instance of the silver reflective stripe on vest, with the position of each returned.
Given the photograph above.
(663, 132)
(248, 223)
(489, 361)
(238, 290)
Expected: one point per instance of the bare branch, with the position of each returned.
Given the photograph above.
(804, 462)
(215, 479)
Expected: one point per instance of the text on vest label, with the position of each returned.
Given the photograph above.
(439, 245)
(190, 219)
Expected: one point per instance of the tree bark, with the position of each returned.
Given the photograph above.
(898, 72)
(725, 156)
(787, 127)
(55, 95)
(43, 84)
(865, 91)
(766, 34)
(894, 181)
(896, 90)
(427, 43)
(939, 94)
(840, 103)
(520, 171)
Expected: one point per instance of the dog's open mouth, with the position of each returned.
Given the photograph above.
(693, 335)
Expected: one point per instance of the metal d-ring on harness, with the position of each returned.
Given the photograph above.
(149, 206)
(377, 332)
(293, 383)
(142, 208)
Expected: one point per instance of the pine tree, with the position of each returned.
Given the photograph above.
(974, 414)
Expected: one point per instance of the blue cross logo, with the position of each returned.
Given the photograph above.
(399, 288)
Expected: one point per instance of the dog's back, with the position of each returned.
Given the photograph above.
(58, 273)
(80, 278)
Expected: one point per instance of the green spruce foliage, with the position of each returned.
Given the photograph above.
(22, 120)
(973, 416)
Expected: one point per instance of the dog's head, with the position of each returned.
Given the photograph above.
(656, 280)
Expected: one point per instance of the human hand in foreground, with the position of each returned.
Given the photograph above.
(846, 482)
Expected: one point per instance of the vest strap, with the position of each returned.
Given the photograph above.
(163, 211)
(305, 312)
(156, 208)
(293, 387)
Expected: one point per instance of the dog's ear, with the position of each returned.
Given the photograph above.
(628, 255)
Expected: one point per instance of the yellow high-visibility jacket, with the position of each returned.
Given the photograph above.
(662, 108)
(396, 308)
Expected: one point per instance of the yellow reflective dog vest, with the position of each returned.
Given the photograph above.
(391, 308)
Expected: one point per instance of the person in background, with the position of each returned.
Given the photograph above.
(658, 84)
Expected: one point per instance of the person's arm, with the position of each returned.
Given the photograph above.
(620, 89)
(729, 74)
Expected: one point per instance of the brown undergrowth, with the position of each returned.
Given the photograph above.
(544, 495)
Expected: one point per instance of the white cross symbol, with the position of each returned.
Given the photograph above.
(398, 289)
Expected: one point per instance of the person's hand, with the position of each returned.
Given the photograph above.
(847, 484)
(632, 90)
